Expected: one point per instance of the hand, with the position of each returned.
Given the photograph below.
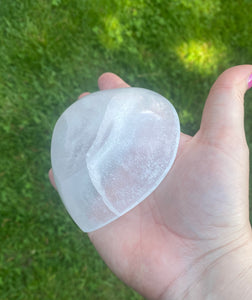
(191, 238)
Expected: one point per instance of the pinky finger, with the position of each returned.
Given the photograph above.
(83, 95)
(50, 175)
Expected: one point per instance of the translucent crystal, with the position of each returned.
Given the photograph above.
(110, 150)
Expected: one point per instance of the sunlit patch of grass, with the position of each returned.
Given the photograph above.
(111, 34)
(206, 7)
(201, 56)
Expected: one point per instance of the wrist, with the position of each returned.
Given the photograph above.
(223, 273)
(229, 277)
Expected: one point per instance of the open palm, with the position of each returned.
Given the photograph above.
(198, 215)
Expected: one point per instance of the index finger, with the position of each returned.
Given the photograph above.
(111, 81)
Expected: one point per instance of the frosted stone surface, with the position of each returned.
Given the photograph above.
(110, 150)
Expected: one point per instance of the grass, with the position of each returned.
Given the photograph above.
(50, 52)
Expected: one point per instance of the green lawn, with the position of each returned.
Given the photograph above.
(50, 52)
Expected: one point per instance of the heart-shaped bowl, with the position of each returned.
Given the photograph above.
(110, 150)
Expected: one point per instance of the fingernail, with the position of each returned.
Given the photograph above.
(250, 81)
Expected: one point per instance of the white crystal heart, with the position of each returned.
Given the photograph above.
(110, 150)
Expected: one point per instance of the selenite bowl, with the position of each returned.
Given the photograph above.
(110, 150)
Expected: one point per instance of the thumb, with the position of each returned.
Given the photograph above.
(223, 115)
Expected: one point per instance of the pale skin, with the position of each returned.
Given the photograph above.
(191, 238)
